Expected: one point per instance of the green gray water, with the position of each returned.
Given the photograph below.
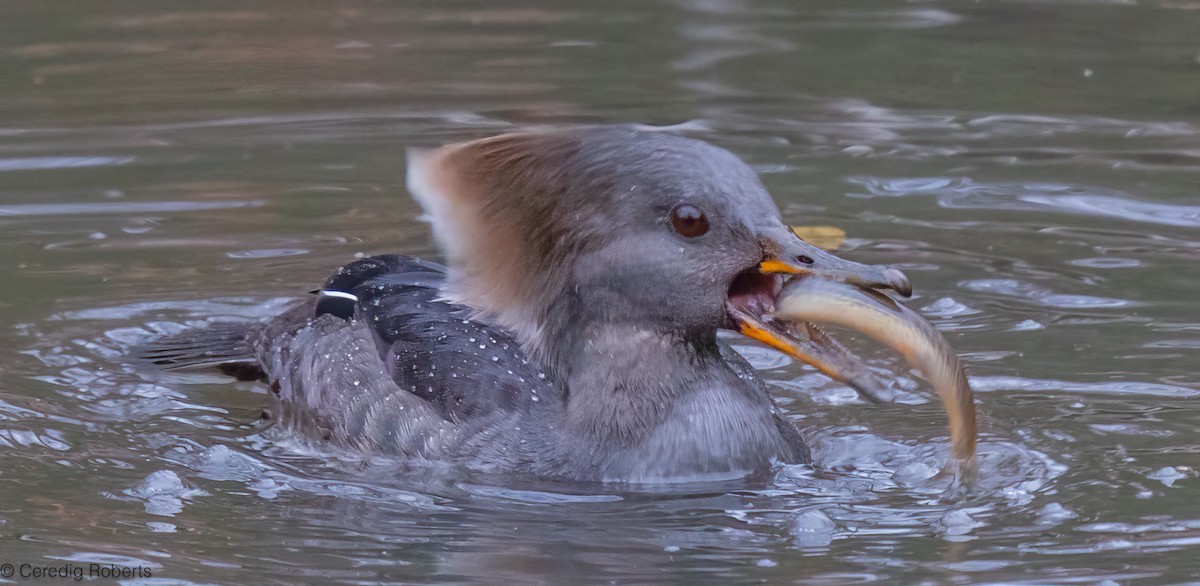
(1033, 166)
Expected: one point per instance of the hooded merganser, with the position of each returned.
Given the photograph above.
(573, 333)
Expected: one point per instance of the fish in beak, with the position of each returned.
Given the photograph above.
(798, 286)
(752, 303)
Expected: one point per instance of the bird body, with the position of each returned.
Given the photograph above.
(573, 334)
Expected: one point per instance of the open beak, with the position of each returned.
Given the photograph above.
(753, 299)
(797, 285)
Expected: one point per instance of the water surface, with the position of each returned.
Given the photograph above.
(1033, 166)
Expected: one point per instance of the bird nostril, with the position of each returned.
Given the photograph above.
(804, 260)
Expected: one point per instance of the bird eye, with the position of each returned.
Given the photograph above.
(689, 221)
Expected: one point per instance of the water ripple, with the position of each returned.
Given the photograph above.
(962, 192)
(1044, 297)
(985, 384)
(39, 163)
(124, 207)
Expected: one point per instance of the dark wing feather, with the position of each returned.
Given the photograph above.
(433, 348)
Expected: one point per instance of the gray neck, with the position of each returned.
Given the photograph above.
(645, 405)
(621, 380)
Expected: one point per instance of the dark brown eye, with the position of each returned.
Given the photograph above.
(689, 221)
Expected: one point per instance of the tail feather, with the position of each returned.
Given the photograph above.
(223, 345)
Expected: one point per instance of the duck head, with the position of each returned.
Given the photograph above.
(551, 231)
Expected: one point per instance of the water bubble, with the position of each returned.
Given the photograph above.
(811, 528)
